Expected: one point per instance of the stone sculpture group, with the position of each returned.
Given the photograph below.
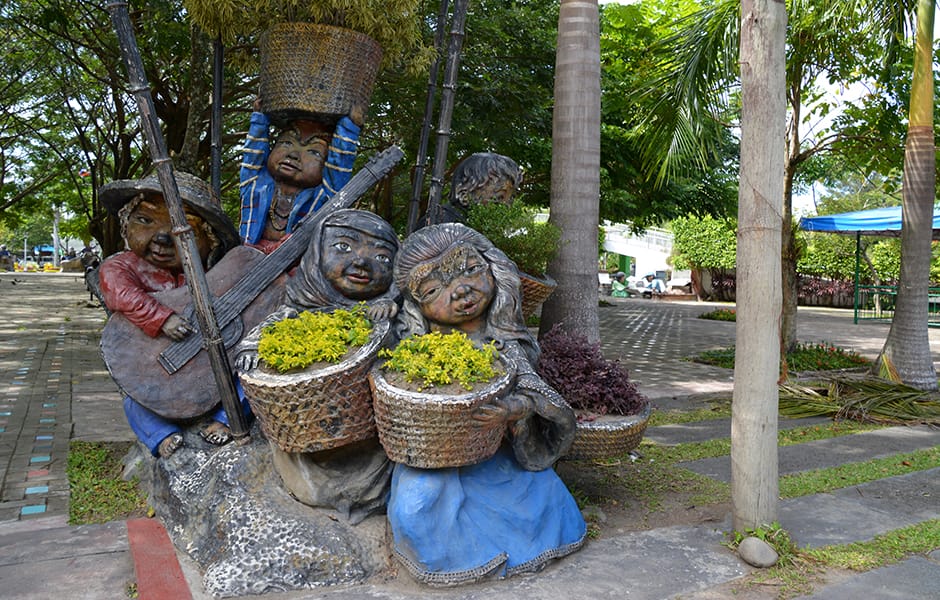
(258, 518)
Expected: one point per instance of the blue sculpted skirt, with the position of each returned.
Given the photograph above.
(458, 525)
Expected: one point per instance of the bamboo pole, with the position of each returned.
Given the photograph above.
(422, 156)
(447, 106)
(182, 232)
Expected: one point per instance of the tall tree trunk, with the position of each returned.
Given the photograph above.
(576, 152)
(199, 96)
(907, 347)
(754, 485)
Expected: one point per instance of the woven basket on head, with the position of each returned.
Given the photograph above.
(432, 431)
(315, 71)
(317, 409)
(608, 436)
(535, 291)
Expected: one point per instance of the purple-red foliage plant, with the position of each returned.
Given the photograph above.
(588, 382)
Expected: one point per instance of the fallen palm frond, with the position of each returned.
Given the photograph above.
(869, 400)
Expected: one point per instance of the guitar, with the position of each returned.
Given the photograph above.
(174, 379)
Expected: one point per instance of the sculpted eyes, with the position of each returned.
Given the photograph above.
(342, 246)
(383, 258)
(143, 220)
(475, 268)
(427, 294)
(315, 153)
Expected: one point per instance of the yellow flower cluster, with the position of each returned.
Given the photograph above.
(313, 337)
(439, 359)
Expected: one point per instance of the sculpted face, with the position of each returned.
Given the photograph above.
(298, 154)
(496, 189)
(357, 264)
(456, 290)
(149, 234)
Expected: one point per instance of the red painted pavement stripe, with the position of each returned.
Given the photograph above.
(159, 576)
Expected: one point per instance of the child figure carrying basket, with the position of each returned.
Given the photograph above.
(510, 513)
(308, 163)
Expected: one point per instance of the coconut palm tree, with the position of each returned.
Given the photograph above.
(576, 151)
(907, 348)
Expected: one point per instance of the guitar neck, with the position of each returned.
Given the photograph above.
(231, 304)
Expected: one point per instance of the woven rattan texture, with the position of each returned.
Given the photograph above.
(535, 291)
(317, 409)
(316, 71)
(429, 431)
(608, 436)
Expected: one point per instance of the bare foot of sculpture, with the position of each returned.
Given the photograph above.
(169, 445)
(216, 433)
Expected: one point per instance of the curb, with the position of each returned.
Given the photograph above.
(159, 575)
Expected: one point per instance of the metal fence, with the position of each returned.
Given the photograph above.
(877, 302)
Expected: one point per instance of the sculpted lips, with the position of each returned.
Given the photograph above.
(467, 306)
(162, 254)
(358, 277)
(286, 165)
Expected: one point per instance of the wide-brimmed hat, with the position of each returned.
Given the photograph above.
(194, 192)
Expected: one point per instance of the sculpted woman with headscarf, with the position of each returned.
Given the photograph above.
(349, 261)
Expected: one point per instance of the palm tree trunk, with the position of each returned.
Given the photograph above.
(754, 483)
(575, 193)
(907, 347)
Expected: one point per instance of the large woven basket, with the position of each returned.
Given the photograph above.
(608, 436)
(535, 291)
(315, 71)
(432, 431)
(317, 409)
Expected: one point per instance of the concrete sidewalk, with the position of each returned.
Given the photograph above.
(55, 388)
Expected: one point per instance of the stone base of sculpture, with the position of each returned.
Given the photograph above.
(227, 509)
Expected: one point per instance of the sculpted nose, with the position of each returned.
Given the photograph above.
(460, 291)
(163, 238)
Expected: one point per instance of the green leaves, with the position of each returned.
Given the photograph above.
(513, 229)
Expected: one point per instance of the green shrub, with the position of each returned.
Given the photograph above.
(805, 357)
(441, 359)
(719, 314)
(313, 337)
(512, 229)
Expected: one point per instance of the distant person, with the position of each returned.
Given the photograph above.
(6, 259)
(618, 285)
(654, 285)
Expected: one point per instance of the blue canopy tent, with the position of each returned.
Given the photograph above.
(878, 221)
(884, 222)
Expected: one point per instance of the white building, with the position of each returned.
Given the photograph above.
(648, 252)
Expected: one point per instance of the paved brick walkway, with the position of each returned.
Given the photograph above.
(53, 386)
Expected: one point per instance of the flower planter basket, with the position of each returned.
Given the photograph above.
(317, 409)
(609, 435)
(430, 431)
(315, 71)
(535, 291)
